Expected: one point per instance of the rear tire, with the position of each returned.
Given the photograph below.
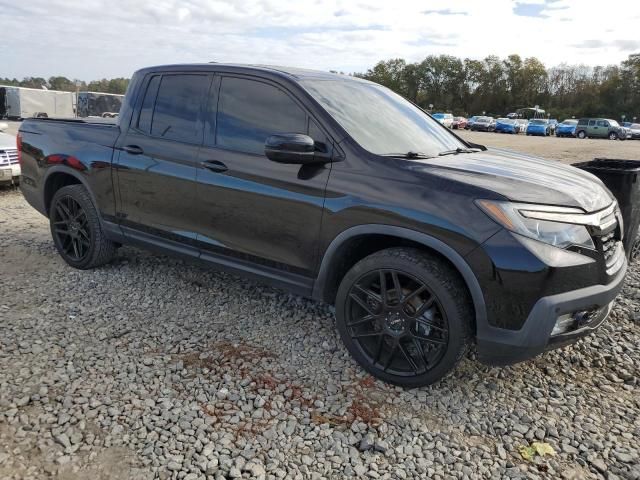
(581, 134)
(405, 316)
(76, 229)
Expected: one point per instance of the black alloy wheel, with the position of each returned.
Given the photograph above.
(77, 230)
(71, 228)
(405, 315)
(397, 322)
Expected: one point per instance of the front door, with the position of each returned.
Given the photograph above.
(156, 165)
(252, 208)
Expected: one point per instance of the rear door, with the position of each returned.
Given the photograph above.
(156, 165)
(250, 207)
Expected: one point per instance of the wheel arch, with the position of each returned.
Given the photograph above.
(324, 287)
(58, 177)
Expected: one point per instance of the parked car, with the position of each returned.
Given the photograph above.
(445, 119)
(567, 128)
(507, 125)
(484, 124)
(9, 165)
(523, 123)
(635, 131)
(553, 123)
(459, 123)
(538, 126)
(601, 128)
(471, 121)
(316, 183)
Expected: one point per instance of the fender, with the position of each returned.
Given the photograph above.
(69, 171)
(111, 228)
(433, 243)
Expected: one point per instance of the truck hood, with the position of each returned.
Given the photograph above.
(522, 178)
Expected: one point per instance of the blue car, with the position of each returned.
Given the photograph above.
(538, 126)
(567, 128)
(507, 125)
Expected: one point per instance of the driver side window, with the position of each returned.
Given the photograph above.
(249, 111)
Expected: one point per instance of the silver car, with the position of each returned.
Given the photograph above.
(9, 165)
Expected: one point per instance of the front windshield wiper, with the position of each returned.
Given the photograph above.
(409, 155)
(458, 150)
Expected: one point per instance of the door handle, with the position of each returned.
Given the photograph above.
(133, 150)
(214, 166)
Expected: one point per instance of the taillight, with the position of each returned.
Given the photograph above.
(19, 147)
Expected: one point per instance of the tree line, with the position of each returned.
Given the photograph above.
(114, 85)
(469, 87)
(499, 86)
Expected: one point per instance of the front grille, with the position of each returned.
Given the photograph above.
(607, 238)
(609, 243)
(9, 156)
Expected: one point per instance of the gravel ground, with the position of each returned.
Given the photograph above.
(154, 368)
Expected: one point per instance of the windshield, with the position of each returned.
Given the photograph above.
(570, 122)
(613, 123)
(635, 126)
(381, 121)
(538, 122)
(438, 115)
(506, 121)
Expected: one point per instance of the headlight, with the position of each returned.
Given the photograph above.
(539, 222)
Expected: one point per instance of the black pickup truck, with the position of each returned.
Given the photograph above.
(338, 189)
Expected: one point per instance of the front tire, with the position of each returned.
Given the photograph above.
(405, 316)
(613, 136)
(76, 229)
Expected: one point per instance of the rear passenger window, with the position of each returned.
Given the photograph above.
(178, 105)
(249, 111)
(592, 123)
(146, 111)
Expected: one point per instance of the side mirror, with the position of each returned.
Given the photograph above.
(294, 148)
(3, 126)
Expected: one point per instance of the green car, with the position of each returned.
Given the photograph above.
(600, 128)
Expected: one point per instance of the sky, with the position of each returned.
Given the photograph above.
(92, 39)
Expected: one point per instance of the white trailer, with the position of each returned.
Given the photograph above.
(20, 102)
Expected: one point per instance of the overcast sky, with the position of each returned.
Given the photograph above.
(91, 39)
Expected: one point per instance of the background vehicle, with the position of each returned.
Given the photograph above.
(96, 104)
(567, 128)
(19, 102)
(9, 165)
(471, 121)
(538, 126)
(273, 172)
(635, 131)
(459, 123)
(484, 124)
(507, 125)
(600, 128)
(522, 124)
(553, 123)
(445, 119)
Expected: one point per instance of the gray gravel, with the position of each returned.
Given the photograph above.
(153, 368)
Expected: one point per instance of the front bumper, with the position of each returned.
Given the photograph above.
(9, 173)
(498, 346)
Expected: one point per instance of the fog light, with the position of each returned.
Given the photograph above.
(564, 323)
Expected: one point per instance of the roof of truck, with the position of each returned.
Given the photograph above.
(290, 72)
